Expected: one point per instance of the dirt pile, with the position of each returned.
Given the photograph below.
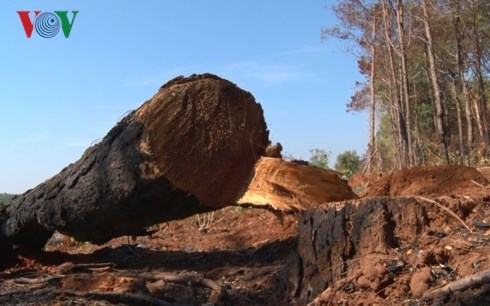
(485, 171)
(433, 180)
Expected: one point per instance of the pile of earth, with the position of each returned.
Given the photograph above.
(431, 180)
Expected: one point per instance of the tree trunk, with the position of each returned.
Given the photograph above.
(189, 149)
(439, 105)
(404, 78)
(399, 146)
(457, 101)
(372, 110)
(481, 100)
(198, 145)
(460, 61)
(396, 93)
(482, 97)
(345, 242)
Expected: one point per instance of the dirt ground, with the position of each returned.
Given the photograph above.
(244, 256)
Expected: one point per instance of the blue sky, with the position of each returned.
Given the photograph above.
(59, 95)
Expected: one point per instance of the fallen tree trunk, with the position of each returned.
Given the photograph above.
(187, 150)
(198, 145)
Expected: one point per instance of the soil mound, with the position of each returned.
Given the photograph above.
(485, 171)
(432, 180)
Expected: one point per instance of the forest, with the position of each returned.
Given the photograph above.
(426, 87)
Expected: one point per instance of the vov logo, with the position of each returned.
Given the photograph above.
(47, 24)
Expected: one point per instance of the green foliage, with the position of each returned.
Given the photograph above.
(75, 242)
(5, 199)
(386, 143)
(237, 209)
(319, 158)
(424, 113)
(348, 163)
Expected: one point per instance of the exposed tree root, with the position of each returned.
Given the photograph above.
(450, 212)
(116, 297)
(25, 290)
(464, 283)
(477, 184)
(70, 268)
(480, 224)
(50, 283)
(176, 278)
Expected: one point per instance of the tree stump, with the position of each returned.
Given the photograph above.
(350, 240)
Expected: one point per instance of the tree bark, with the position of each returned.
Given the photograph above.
(396, 92)
(187, 150)
(333, 242)
(460, 61)
(439, 105)
(404, 79)
(198, 145)
(457, 101)
(481, 100)
(372, 110)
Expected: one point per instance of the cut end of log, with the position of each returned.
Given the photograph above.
(203, 134)
(187, 150)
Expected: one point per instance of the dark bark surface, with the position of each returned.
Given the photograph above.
(187, 150)
(334, 243)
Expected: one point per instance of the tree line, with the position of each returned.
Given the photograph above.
(347, 163)
(5, 199)
(426, 65)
